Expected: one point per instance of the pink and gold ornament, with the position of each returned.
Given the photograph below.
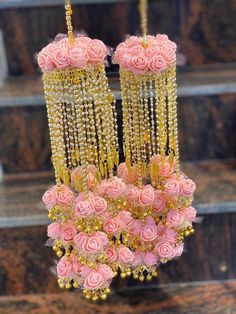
(106, 224)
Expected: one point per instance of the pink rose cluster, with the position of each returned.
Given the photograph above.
(61, 55)
(118, 225)
(156, 55)
(70, 268)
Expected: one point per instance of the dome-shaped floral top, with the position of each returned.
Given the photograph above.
(156, 55)
(61, 54)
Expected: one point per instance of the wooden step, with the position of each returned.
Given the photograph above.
(196, 298)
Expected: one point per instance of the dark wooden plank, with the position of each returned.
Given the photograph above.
(202, 298)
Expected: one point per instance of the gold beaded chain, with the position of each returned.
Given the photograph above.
(143, 7)
(69, 13)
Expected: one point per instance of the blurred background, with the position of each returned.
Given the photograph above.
(203, 280)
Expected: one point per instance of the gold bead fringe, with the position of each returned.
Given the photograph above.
(149, 118)
(82, 122)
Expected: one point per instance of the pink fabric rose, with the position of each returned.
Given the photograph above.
(125, 217)
(45, 58)
(187, 187)
(164, 249)
(128, 176)
(139, 63)
(105, 271)
(102, 188)
(172, 187)
(169, 54)
(76, 266)
(96, 51)
(112, 225)
(80, 239)
(189, 213)
(50, 198)
(162, 38)
(64, 268)
(166, 168)
(170, 235)
(159, 203)
(160, 228)
(60, 56)
(175, 218)
(111, 254)
(54, 230)
(116, 187)
(132, 193)
(125, 255)
(178, 250)
(78, 57)
(148, 232)
(65, 196)
(138, 259)
(94, 280)
(133, 41)
(68, 231)
(150, 259)
(92, 245)
(84, 208)
(157, 63)
(120, 50)
(100, 205)
(103, 237)
(134, 227)
(146, 196)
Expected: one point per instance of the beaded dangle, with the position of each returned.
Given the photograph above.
(158, 195)
(83, 133)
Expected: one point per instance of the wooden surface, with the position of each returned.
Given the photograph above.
(195, 298)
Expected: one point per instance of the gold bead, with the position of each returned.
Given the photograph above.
(68, 286)
(61, 285)
(115, 273)
(88, 296)
(59, 253)
(128, 273)
(107, 290)
(187, 233)
(154, 274)
(141, 278)
(75, 285)
(94, 297)
(103, 296)
(149, 277)
(85, 291)
(135, 276)
(55, 247)
(192, 231)
(122, 275)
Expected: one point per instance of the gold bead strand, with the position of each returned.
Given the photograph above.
(94, 143)
(81, 131)
(142, 129)
(157, 115)
(107, 120)
(175, 115)
(153, 140)
(69, 12)
(131, 121)
(135, 103)
(126, 118)
(48, 90)
(143, 16)
(147, 119)
(162, 116)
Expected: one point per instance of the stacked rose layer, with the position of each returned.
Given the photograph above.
(118, 226)
(152, 57)
(61, 54)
